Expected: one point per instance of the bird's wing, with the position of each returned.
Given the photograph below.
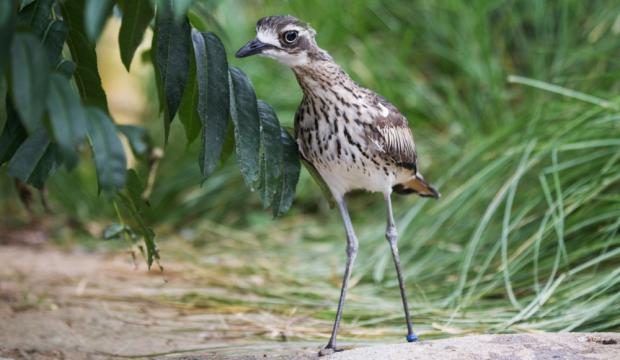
(389, 135)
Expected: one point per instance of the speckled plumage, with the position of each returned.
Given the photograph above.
(352, 137)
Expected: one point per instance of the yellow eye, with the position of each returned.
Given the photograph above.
(290, 36)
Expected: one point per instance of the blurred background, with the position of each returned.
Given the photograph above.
(515, 111)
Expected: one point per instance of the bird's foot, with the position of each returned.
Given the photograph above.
(328, 350)
(412, 338)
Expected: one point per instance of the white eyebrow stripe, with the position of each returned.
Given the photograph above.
(268, 37)
(291, 27)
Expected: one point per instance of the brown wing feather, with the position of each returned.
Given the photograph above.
(392, 136)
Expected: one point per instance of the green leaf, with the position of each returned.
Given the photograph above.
(214, 101)
(188, 111)
(137, 15)
(83, 54)
(138, 139)
(35, 160)
(35, 16)
(8, 16)
(290, 175)
(271, 153)
(30, 79)
(13, 134)
(172, 54)
(67, 117)
(54, 41)
(96, 14)
(131, 199)
(244, 113)
(108, 152)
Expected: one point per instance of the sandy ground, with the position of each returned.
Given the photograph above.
(78, 305)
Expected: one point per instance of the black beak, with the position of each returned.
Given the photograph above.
(252, 48)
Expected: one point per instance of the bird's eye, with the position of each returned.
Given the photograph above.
(290, 36)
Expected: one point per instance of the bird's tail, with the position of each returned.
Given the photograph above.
(417, 185)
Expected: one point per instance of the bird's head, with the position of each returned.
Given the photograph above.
(285, 39)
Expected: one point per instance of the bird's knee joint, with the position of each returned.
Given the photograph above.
(352, 249)
(391, 235)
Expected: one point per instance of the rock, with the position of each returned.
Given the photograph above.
(572, 346)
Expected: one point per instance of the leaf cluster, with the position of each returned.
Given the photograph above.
(54, 106)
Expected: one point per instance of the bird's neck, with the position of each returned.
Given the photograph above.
(321, 77)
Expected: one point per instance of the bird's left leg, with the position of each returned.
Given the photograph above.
(392, 237)
(352, 246)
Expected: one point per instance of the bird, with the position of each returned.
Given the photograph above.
(354, 138)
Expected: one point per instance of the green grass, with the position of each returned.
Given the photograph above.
(514, 106)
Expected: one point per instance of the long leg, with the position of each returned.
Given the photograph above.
(392, 237)
(352, 246)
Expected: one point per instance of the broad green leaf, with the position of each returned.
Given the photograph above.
(30, 79)
(67, 117)
(172, 54)
(13, 134)
(108, 152)
(137, 15)
(271, 153)
(83, 54)
(213, 103)
(35, 160)
(188, 111)
(54, 41)
(244, 113)
(35, 16)
(8, 16)
(138, 139)
(290, 175)
(96, 14)
(131, 199)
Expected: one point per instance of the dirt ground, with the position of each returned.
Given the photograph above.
(78, 305)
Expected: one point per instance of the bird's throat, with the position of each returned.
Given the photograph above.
(320, 77)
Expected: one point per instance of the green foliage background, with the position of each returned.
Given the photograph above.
(525, 237)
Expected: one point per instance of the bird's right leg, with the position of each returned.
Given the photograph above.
(352, 246)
